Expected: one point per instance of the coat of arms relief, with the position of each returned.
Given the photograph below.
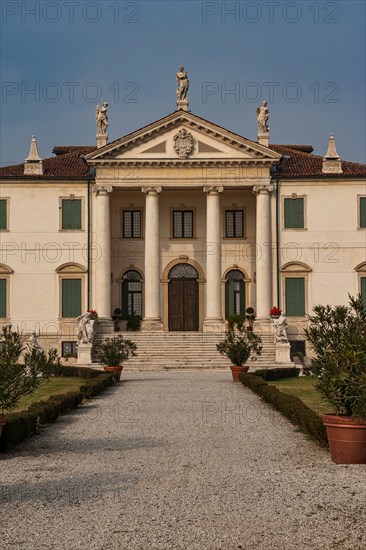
(183, 143)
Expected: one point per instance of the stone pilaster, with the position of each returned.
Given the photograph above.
(264, 251)
(152, 318)
(213, 318)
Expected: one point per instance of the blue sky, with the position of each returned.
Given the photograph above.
(307, 58)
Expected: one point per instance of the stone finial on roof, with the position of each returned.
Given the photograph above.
(332, 161)
(182, 91)
(33, 165)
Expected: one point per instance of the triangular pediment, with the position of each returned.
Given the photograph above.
(182, 137)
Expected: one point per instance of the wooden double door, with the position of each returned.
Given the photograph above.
(183, 304)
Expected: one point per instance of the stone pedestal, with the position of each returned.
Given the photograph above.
(84, 355)
(263, 139)
(283, 352)
(183, 105)
(102, 140)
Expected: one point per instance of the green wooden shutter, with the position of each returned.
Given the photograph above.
(125, 299)
(295, 296)
(3, 224)
(229, 298)
(71, 297)
(71, 214)
(363, 289)
(3, 298)
(294, 213)
(242, 297)
(363, 212)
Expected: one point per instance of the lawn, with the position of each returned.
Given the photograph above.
(303, 388)
(52, 386)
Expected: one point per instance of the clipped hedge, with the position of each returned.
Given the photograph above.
(76, 372)
(21, 425)
(292, 407)
(277, 374)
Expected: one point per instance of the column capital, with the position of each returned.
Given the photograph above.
(151, 190)
(102, 190)
(262, 189)
(213, 190)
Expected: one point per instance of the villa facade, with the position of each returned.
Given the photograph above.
(183, 223)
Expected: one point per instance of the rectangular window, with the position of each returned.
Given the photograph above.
(234, 224)
(363, 290)
(3, 306)
(363, 212)
(294, 213)
(132, 224)
(71, 214)
(183, 224)
(295, 296)
(3, 214)
(69, 349)
(71, 297)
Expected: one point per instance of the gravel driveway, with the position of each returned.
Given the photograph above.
(180, 461)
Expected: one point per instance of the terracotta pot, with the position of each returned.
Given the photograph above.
(115, 370)
(2, 422)
(347, 439)
(235, 371)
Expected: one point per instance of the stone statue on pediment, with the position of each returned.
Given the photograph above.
(183, 84)
(263, 118)
(102, 118)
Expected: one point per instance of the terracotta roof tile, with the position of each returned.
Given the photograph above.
(304, 165)
(65, 166)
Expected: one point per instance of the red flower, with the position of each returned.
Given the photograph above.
(275, 311)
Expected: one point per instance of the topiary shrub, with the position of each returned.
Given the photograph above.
(278, 374)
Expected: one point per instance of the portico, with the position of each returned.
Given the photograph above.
(197, 195)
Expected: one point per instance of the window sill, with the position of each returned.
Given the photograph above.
(72, 230)
(294, 229)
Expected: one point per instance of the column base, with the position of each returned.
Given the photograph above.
(155, 325)
(214, 326)
(105, 326)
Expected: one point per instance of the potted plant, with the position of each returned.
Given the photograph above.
(18, 379)
(275, 312)
(338, 337)
(114, 352)
(239, 345)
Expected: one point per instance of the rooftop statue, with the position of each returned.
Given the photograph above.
(183, 84)
(102, 118)
(263, 117)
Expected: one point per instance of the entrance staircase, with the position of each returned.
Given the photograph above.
(185, 350)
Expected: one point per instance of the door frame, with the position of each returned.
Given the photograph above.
(201, 290)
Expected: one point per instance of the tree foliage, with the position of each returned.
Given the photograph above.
(337, 335)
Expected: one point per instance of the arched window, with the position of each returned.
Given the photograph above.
(181, 271)
(361, 271)
(131, 294)
(234, 293)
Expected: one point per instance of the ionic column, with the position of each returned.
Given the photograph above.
(103, 287)
(264, 249)
(152, 317)
(213, 318)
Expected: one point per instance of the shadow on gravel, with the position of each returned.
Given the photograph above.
(85, 446)
(101, 487)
